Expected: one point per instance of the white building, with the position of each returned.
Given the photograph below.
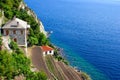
(47, 50)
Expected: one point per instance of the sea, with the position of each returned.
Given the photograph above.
(87, 30)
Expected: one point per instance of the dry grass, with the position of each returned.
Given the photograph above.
(52, 67)
(56, 70)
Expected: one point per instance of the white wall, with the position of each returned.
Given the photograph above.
(48, 52)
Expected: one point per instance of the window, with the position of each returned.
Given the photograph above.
(46, 53)
(21, 32)
(50, 51)
(14, 31)
(7, 32)
(15, 39)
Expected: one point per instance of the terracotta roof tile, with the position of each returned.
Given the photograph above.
(46, 48)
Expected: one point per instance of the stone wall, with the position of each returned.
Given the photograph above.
(1, 17)
(21, 38)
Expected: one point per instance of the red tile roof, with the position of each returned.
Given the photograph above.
(46, 48)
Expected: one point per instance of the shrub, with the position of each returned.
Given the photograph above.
(13, 45)
(13, 64)
(85, 76)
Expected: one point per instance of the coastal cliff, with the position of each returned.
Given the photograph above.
(31, 13)
(55, 67)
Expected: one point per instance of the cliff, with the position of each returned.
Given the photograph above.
(2, 18)
(31, 13)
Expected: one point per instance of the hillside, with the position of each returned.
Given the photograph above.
(54, 69)
(15, 65)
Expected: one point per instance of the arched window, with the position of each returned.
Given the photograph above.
(46, 53)
(15, 39)
(21, 31)
(14, 31)
(7, 32)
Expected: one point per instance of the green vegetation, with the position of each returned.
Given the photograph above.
(0, 14)
(85, 76)
(52, 67)
(13, 64)
(50, 64)
(59, 57)
(16, 63)
(13, 45)
(0, 41)
(10, 8)
(35, 36)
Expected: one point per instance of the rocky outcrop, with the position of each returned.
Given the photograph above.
(1, 17)
(6, 42)
(30, 12)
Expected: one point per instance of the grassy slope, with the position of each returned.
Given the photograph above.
(52, 67)
(61, 71)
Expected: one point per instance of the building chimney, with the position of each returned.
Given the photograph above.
(14, 17)
(17, 23)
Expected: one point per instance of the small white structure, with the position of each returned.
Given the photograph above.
(47, 50)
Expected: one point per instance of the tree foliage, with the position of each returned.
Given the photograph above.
(10, 8)
(35, 36)
(16, 63)
(13, 45)
(13, 64)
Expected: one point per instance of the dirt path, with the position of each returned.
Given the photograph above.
(69, 72)
(38, 61)
(53, 69)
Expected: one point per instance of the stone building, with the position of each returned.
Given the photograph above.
(17, 29)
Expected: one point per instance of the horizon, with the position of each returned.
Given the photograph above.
(96, 1)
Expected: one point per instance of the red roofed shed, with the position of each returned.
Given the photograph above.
(47, 50)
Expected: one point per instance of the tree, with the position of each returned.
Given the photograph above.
(6, 65)
(32, 40)
(13, 45)
(13, 64)
(42, 39)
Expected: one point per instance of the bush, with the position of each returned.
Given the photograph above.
(66, 62)
(12, 64)
(13, 45)
(32, 40)
(9, 6)
(85, 76)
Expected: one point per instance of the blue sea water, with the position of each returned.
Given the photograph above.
(88, 30)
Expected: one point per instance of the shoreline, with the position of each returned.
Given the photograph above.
(84, 75)
(60, 50)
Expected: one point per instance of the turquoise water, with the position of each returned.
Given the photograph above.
(88, 30)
